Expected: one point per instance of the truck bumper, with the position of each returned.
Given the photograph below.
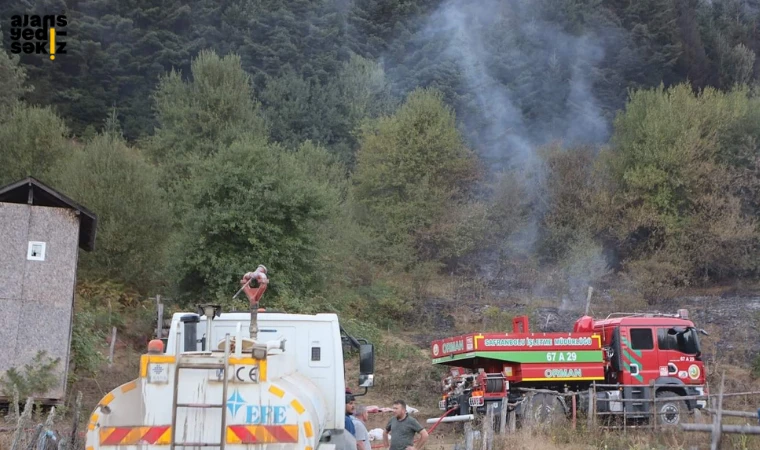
(696, 404)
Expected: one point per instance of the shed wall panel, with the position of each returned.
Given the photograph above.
(49, 330)
(10, 310)
(14, 225)
(52, 281)
(38, 310)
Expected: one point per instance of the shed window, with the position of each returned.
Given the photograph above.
(36, 251)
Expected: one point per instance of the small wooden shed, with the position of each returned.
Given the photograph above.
(41, 232)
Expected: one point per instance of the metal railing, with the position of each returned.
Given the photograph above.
(646, 418)
(717, 426)
(650, 412)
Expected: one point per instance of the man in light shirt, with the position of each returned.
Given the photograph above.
(360, 418)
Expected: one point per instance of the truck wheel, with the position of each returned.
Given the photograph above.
(670, 411)
(543, 409)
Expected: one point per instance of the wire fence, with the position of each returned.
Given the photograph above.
(650, 411)
(28, 435)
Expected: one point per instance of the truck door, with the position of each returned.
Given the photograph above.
(668, 353)
(639, 355)
(673, 361)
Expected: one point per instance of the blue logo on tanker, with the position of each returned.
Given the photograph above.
(256, 414)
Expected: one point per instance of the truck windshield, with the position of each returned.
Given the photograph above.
(688, 342)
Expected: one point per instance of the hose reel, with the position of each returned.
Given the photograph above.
(494, 385)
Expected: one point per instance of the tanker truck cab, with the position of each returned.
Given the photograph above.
(216, 387)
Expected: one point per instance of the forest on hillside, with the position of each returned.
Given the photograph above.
(365, 150)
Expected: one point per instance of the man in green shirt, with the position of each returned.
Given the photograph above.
(402, 429)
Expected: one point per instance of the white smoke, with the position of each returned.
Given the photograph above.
(525, 83)
(506, 55)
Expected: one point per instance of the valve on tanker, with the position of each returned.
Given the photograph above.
(254, 294)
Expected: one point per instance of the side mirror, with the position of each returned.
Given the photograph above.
(366, 365)
(703, 332)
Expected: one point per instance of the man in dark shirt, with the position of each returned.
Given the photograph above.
(350, 435)
(402, 429)
(349, 412)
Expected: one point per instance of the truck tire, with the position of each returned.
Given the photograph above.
(670, 411)
(541, 410)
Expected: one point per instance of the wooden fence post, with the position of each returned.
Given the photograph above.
(485, 432)
(503, 415)
(468, 445)
(575, 409)
(75, 421)
(22, 419)
(718, 416)
(113, 346)
(716, 429)
(160, 323)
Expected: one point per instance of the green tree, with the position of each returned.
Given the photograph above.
(34, 143)
(116, 183)
(675, 198)
(568, 197)
(253, 204)
(300, 108)
(412, 170)
(199, 117)
(34, 137)
(12, 82)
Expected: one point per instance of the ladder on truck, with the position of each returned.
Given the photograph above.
(201, 362)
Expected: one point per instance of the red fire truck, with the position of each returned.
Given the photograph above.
(624, 355)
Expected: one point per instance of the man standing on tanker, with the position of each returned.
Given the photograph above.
(402, 429)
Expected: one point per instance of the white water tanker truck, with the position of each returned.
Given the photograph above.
(235, 381)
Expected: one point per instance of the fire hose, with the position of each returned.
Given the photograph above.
(431, 428)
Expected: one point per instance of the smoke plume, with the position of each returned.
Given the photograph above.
(526, 81)
(522, 82)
